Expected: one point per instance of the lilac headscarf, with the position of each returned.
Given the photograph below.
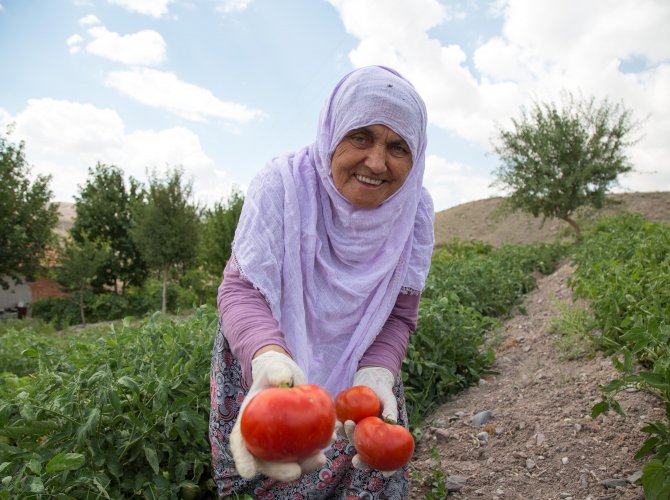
(332, 272)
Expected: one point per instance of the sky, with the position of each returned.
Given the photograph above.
(219, 87)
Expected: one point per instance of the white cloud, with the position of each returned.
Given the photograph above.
(544, 48)
(66, 138)
(452, 183)
(89, 20)
(74, 43)
(153, 8)
(164, 90)
(145, 47)
(227, 6)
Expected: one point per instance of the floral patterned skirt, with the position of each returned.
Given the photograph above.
(337, 479)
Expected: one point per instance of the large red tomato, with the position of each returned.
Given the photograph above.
(356, 403)
(381, 445)
(288, 424)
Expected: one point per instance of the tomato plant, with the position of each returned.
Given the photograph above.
(356, 403)
(288, 424)
(382, 445)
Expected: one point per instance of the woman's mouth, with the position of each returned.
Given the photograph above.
(368, 180)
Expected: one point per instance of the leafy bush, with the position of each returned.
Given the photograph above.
(624, 270)
(445, 354)
(125, 414)
(61, 312)
(64, 312)
(489, 280)
(20, 340)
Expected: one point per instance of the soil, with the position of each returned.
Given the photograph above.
(540, 442)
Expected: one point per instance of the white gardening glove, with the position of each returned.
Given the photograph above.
(270, 369)
(381, 381)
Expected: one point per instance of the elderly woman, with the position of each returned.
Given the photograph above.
(329, 259)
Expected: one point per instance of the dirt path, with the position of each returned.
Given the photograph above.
(540, 441)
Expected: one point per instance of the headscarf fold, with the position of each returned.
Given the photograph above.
(331, 272)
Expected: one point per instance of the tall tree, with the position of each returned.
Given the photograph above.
(166, 228)
(78, 265)
(557, 159)
(220, 223)
(27, 216)
(104, 215)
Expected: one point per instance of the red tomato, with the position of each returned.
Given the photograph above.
(356, 403)
(288, 424)
(381, 445)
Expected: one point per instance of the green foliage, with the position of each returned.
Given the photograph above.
(196, 288)
(573, 327)
(469, 286)
(20, 341)
(438, 480)
(624, 270)
(104, 214)
(445, 354)
(79, 263)
(26, 213)
(489, 280)
(218, 233)
(557, 159)
(118, 414)
(167, 226)
(64, 312)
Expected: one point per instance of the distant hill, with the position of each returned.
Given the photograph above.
(66, 215)
(483, 220)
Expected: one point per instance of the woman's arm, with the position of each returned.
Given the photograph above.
(246, 320)
(389, 348)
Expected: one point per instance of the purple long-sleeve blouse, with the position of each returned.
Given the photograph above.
(248, 325)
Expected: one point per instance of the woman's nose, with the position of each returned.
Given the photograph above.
(376, 160)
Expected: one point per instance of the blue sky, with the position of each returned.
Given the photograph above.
(219, 87)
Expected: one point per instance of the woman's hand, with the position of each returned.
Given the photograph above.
(381, 381)
(270, 368)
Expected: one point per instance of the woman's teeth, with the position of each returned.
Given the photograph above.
(367, 180)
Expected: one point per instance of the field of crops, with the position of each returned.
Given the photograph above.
(122, 411)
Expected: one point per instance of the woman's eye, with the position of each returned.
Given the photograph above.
(399, 150)
(359, 139)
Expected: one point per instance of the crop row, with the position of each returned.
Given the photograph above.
(623, 269)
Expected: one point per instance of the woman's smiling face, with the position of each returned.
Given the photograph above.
(370, 164)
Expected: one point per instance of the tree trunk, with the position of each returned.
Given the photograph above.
(164, 302)
(81, 305)
(574, 225)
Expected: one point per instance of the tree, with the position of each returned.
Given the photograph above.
(555, 160)
(27, 217)
(78, 265)
(104, 214)
(219, 230)
(166, 226)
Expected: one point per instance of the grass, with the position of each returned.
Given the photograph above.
(572, 331)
